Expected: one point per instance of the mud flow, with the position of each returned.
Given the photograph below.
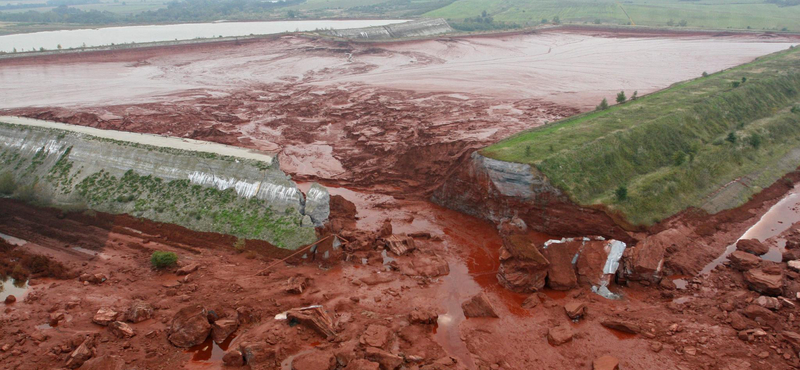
(407, 284)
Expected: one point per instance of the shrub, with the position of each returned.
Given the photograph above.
(239, 245)
(635, 95)
(683, 23)
(731, 138)
(603, 105)
(755, 140)
(678, 158)
(744, 79)
(735, 84)
(796, 109)
(545, 20)
(621, 193)
(621, 98)
(556, 20)
(705, 74)
(528, 151)
(7, 184)
(161, 259)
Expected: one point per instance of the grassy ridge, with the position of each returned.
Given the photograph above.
(675, 148)
(708, 14)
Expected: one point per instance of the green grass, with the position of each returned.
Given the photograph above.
(707, 14)
(637, 144)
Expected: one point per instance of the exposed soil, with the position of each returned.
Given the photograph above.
(382, 131)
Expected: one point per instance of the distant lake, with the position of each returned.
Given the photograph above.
(138, 34)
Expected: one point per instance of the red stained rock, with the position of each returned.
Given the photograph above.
(526, 268)
(222, 329)
(315, 360)
(188, 269)
(478, 306)
(605, 363)
(233, 358)
(386, 360)
(764, 282)
(375, 336)
(105, 316)
(561, 272)
(744, 261)
(139, 311)
(591, 261)
(575, 310)
(189, 327)
(752, 246)
(315, 318)
(121, 329)
(104, 363)
(559, 335)
(362, 364)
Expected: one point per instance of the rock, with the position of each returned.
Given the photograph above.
(188, 269)
(794, 265)
(222, 329)
(315, 318)
(386, 360)
(656, 347)
(761, 281)
(258, 355)
(375, 336)
(362, 364)
(792, 338)
(93, 278)
(559, 335)
(106, 362)
(532, 301)
(297, 284)
(561, 272)
(80, 355)
(121, 329)
(400, 244)
(760, 315)
(105, 316)
(245, 315)
(315, 360)
(744, 261)
(525, 269)
(386, 229)
(233, 358)
(647, 256)
(318, 202)
(591, 261)
(422, 265)
(189, 327)
(739, 322)
(605, 363)
(575, 310)
(423, 316)
(771, 303)
(620, 325)
(478, 306)
(10, 299)
(139, 311)
(752, 246)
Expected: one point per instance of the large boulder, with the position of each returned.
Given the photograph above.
(561, 271)
(743, 261)
(478, 306)
(764, 281)
(752, 246)
(647, 257)
(189, 327)
(523, 268)
(591, 261)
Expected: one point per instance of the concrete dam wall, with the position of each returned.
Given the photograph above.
(199, 185)
(418, 28)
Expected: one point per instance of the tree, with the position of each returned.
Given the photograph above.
(59, 46)
(597, 21)
(744, 79)
(528, 151)
(731, 137)
(678, 158)
(755, 140)
(635, 95)
(621, 193)
(603, 105)
(15, 50)
(544, 20)
(556, 20)
(621, 97)
(484, 14)
(705, 74)
(292, 14)
(683, 23)
(670, 23)
(735, 84)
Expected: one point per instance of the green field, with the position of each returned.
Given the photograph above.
(676, 148)
(707, 14)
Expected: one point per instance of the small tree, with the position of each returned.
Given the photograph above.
(678, 158)
(161, 259)
(545, 20)
(621, 98)
(597, 21)
(603, 105)
(621, 193)
(671, 22)
(705, 74)
(59, 46)
(683, 23)
(735, 84)
(15, 50)
(556, 20)
(755, 140)
(7, 184)
(796, 109)
(744, 79)
(528, 151)
(635, 95)
(731, 138)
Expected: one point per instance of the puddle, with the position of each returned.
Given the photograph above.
(17, 288)
(778, 219)
(209, 351)
(681, 281)
(91, 252)
(12, 240)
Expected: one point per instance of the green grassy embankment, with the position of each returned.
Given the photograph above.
(692, 145)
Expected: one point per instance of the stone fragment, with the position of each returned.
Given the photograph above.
(139, 311)
(233, 358)
(315, 318)
(478, 306)
(559, 335)
(752, 246)
(222, 329)
(561, 271)
(297, 284)
(794, 265)
(400, 244)
(10, 299)
(744, 261)
(620, 325)
(105, 316)
(188, 269)
(362, 364)
(189, 327)
(532, 301)
(80, 355)
(771, 303)
(106, 362)
(763, 282)
(258, 355)
(605, 363)
(423, 316)
(575, 310)
(121, 329)
(314, 360)
(386, 360)
(526, 268)
(375, 336)
(318, 204)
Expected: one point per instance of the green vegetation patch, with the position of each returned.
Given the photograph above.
(678, 148)
(162, 260)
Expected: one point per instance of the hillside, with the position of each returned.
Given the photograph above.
(711, 142)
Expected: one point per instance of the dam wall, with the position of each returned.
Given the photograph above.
(417, 28)
(202, 186)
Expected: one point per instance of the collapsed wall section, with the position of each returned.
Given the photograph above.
(246, 196)
(417, 28)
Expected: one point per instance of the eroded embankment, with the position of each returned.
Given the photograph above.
(202, 186)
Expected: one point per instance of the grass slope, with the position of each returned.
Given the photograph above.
(707, 14)
(673, 149)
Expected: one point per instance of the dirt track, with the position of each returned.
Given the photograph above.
(389, 126)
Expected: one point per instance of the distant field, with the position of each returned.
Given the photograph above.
(712, 14)
(120, 7)
(710, 143)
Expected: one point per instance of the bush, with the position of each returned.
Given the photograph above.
(621, 193)
(796, 109)
(731, 138)
(603, 105)
(239, 245)
(621, 98)
(556, 20)
(161, 259)
(635, 95)
(755, 140)
(705, 74)
(678, 158)
(744, 79)
(735, 84)
(7, 184)
(683, 23)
